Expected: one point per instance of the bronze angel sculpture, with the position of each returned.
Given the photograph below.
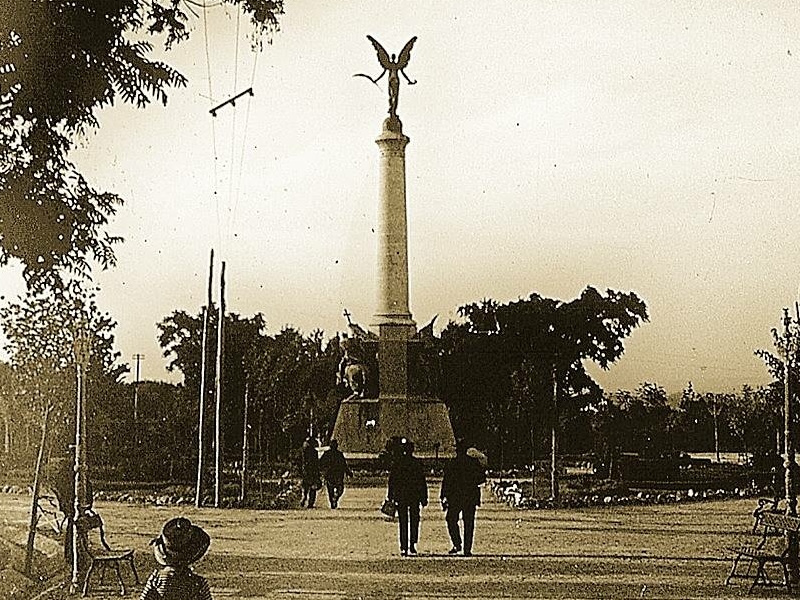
(393, 67)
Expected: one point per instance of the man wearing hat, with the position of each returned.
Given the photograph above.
(334, 467)
(180, 544)
(408, 490)
(461, 495)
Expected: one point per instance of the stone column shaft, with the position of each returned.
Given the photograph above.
(392, 232)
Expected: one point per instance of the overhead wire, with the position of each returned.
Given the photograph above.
(213, 128)
(244, 143)
(231, 166)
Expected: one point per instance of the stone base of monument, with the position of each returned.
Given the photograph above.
(364, 425)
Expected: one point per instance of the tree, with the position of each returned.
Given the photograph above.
(544, 341)
(290, 375)
(647, 420)
(786, 344)
(61, 61)
(40, 330)
(180, 337)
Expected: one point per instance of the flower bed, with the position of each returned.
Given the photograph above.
(513, 493)
(277, 494)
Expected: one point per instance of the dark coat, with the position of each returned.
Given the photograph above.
(407, 485)
(334, 466)
(462, 478)
(309, 465)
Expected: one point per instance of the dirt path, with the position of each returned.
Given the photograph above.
(674, 551)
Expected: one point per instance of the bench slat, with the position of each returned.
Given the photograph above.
(778, 521)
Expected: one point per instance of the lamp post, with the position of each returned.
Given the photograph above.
(82, 342)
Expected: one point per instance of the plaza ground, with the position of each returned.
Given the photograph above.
(663, 551)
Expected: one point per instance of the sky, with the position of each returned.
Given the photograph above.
(633, 145)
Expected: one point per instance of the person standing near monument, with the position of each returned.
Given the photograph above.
(461, 495)
(334, 467)
(408, 490)
(309, 472)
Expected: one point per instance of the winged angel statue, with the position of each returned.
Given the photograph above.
(393, 67)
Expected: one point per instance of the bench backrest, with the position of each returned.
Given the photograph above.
(90, 524)
(783, 522)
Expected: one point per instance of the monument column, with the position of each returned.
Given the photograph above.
(392, 315)
(392, 306)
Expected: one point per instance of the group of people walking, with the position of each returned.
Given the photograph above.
(408, 490)
(460, 496)
(331, 466)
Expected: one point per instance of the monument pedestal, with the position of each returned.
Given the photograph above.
(364, 425)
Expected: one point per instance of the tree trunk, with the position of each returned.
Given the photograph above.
(37, 476)
(554, 441)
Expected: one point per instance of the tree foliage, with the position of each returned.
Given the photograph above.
(61, 61)
(289, 377)
(41, 328)
(499, 362)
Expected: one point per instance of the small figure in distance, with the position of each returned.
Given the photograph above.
(180, 545)
(334, 467)
(408, 490)
(461, 495)
(309, 472)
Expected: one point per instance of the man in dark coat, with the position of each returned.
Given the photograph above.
(334, 467)
(309, 472)
(408, 489)
(461, 495)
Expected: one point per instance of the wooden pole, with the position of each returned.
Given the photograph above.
(219, 386)
(789, 464)
(554, 440)
(198, 496)
(243, 492)
(37, 478)
(533, 454)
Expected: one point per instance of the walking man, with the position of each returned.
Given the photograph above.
(334, 467)
(460, 496)
(309, 472)
(408, 490)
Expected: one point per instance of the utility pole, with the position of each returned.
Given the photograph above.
(219, 386)
(198, 496)
(138, 358)
(554, 440)
(789, 445)
(243, 492)
(533, 455)
(715, 412)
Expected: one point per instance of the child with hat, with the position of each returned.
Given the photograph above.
(180, 544)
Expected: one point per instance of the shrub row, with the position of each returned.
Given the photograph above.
(511, 493)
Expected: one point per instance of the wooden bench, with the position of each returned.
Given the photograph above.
(769, 550)
(765, 505)
(90, 525)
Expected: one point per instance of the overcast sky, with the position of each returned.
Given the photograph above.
(640, 146)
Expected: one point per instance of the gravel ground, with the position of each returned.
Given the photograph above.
(666, 551)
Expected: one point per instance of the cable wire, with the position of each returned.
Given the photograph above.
(213, 128)
(244, 145)
(231, 167)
